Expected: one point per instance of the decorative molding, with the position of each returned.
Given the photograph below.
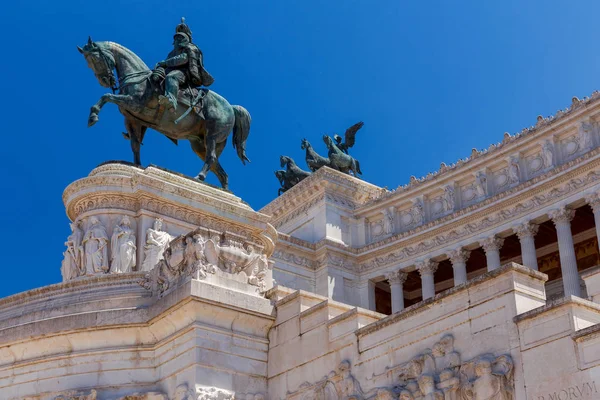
(426, 267)
(561, 215)
(452, 228)
(396, 277)
(526, 229)
(434, 374)
(460, 255)
(542, 126)
(492, 243)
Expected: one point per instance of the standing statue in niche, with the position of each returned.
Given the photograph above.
(95, 244)
(73, 260)
(122, 248)
(156, 242)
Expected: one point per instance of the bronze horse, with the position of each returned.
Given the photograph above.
(138, 102)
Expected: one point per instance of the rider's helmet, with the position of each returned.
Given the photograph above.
(183, 28)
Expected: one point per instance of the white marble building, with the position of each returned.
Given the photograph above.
(478, 281)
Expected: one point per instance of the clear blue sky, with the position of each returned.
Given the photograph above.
(431, 80)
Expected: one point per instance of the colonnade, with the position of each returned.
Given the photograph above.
(561, 217)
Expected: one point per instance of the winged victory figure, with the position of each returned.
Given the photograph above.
(349, 137)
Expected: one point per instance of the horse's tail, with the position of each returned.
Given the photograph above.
(241, 130)
(358, 167)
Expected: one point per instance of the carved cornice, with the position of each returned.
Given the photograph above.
(521, 200)
(326, 183)
(125, 187)
(509, 144)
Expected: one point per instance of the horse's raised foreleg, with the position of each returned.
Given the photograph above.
(122, 100)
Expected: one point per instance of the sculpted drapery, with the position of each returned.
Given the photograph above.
(156, 243)
(95, 245)
(122, 248)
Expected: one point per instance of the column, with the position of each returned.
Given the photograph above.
(594, 201)
(426, 269)
(492, 246)
(459, 258)
(396, 280)
(526, 233)
(568, 262)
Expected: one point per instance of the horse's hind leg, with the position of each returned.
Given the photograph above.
(218, 169)
(200, 150)
(214, 132)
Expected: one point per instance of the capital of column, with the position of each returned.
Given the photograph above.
(493, 243)
(426, 267)
(594, 201)
(396, 277)
(526, 229)
(561, 215)
(460, 255)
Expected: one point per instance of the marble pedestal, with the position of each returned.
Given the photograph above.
(162, 296)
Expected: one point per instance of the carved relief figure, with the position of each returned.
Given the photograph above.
(547, 154)
(347, 387)
(183, 392)
(77, 396)
(481, 183)
(488, 378)
(156, 242)
(417, 211)
(73, 256)
(585, 135)
(232, 257)
(95, 244)
(513, 170)
(448, 198)
(122, 247)
(388, 221)
(211, 393)
(427, 387)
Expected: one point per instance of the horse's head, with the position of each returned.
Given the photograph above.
(305, 144)
(101, 61)
(328, 141)
(284, 160)
(280, 174)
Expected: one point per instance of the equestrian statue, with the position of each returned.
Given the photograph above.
(172, 99)
(339, 158)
